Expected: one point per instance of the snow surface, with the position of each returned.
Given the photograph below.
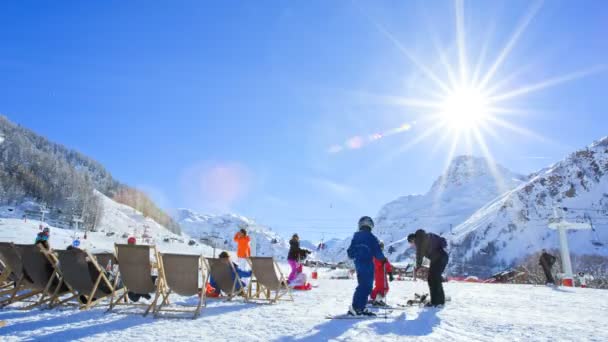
(477, 312)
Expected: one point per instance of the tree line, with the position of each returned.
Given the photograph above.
(34, 168)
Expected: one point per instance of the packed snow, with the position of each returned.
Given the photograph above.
(476, 312)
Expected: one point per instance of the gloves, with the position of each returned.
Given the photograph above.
(390, 276)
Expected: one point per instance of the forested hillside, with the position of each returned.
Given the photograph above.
(32, 168)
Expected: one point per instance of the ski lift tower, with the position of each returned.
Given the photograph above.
(77, 220)
(562, 226)
(43, 212)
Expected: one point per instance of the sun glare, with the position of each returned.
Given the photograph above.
(464, 108)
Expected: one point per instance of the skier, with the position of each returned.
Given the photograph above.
(363, 248)
(243, 249)
(42, 238)
(547, 261)
(431, 246)
(381, 269)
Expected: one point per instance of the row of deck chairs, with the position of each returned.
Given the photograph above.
(75, 277)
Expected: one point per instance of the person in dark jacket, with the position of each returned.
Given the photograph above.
(293, 257)
(547, 261)
(431, 246)
(363, 248)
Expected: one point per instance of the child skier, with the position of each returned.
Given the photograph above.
(381, 270)
(363, 248)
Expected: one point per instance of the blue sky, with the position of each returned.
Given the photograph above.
(235, 107)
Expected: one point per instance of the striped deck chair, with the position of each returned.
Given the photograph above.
(269, 279)
(183, 275)
(84, 275)
(135, 269)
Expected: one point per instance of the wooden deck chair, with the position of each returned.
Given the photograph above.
(84, 275)
(135, 270)
(6, 278)
(181, 275)
(41, 267)
(269, 279)
(11, 257)
(105, 258)
(225, 277)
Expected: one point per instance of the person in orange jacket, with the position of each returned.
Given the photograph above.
(381, 269)
(243, 248)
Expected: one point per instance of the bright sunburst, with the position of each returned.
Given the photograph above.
(468, 103)
(464, 108)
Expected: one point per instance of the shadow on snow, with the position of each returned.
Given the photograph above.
(421, 326)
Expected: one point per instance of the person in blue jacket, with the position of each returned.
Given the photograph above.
(363, 248)
(225, 257)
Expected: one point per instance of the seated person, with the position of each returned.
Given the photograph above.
(225, 257)
(43, 238)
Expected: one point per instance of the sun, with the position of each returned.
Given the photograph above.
(464, 108)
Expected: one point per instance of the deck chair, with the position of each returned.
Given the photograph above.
(22, 284)
(41, 267)
(84, 275)
(105, 258)
(6, 279)
(223, 273)
(180, 275)
(269, 278)
(135, 270)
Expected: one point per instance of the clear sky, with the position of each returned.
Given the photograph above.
(304, 115)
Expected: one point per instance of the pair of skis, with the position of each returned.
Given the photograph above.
(420, 299)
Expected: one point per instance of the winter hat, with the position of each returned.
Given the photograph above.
(224, 255)
(46, 230)
(243, 231)
(366, 222)
(132, 240)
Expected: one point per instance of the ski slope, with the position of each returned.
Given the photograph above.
(477, 312)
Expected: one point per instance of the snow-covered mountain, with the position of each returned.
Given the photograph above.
(467, 185)
(219, 230)
(515, 224)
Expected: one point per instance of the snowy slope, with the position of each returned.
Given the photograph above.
(515, 224)
(477, 312)
(118, 221)
(467, 185)
(219, 230)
